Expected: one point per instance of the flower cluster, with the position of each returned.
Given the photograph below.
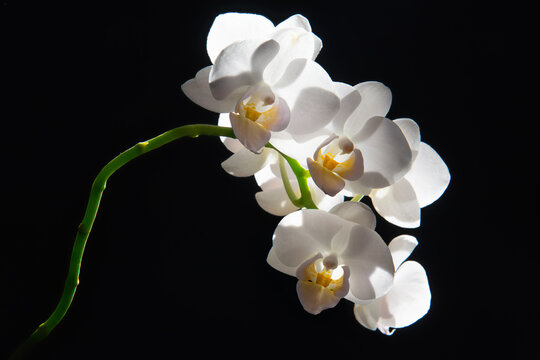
(264, 82)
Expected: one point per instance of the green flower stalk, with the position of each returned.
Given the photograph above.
(98, 186)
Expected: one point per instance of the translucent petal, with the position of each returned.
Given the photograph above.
(397, 204)
(304, 233)
(294, 43)
(198, 91)
(240, 64)
(245, 163)
(325, 179)
(356, 212)
(231, 27)
(275, 201)
(314, 297)
(412, 133)
(310, 95)
(370, 262)
(295, 21)
(274, 262)
(352, 168)
(401, 247)
(376, 99)
(252, 135)
(232, 144)
(368, 314)
(409, 299)
(300, 21)
(429, 175)
(350, 99)
(387, 155)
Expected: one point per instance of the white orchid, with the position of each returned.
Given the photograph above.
(424, 183)
(407, 301)
(359, 148)
(334, 255)
(264, 78)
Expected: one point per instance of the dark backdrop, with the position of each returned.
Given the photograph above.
(176, 259)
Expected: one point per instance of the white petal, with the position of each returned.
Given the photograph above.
(352, 168)
(350, 99)
(323, 201)
(368, 314)
(275, 201)
(387, 155)
(314, 297)
(429, 175)
(232, 144)
(412, 133)
(279, 117)
(409, 299)
(294, 43)
(370, 262)
(274, 262)
(232, 27)
(325, 179)
(295, 21)
(397, 204)
(310, 95)
(198, 91)
(300, 21)
(356, 212)
(240, 64)
(304, 233)
(245, 163)
(401, 247)
(252, 135)
(376, 101)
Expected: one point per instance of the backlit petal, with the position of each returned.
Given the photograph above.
(376, 99)
(310, 95)
(245, 163)
(429, 175)
(387, 155)
(232, 27)
(198, 91)
(412, 133)
(275, 200)
(397, 204)
(401, 247)
(240, 64)
(356, 212)
(370, 262)
(325, 179)
(409, 299)
(252, 135)
(304, 233)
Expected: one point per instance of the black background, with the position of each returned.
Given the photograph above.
(176, 258)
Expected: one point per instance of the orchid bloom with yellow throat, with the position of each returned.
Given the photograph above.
(335, 254)
(264, 78)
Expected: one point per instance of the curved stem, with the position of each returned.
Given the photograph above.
(302, 175)
(286, 183)
(85, 226)
(98, 186)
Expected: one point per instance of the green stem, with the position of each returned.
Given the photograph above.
(357, 197)
(96, 192)
(286, 183)
(302, 175)
(88, 220)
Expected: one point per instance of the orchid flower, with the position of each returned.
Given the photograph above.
(360, 148)
(264, 78)
(407, 301)
(425, 182)
(334, 255)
